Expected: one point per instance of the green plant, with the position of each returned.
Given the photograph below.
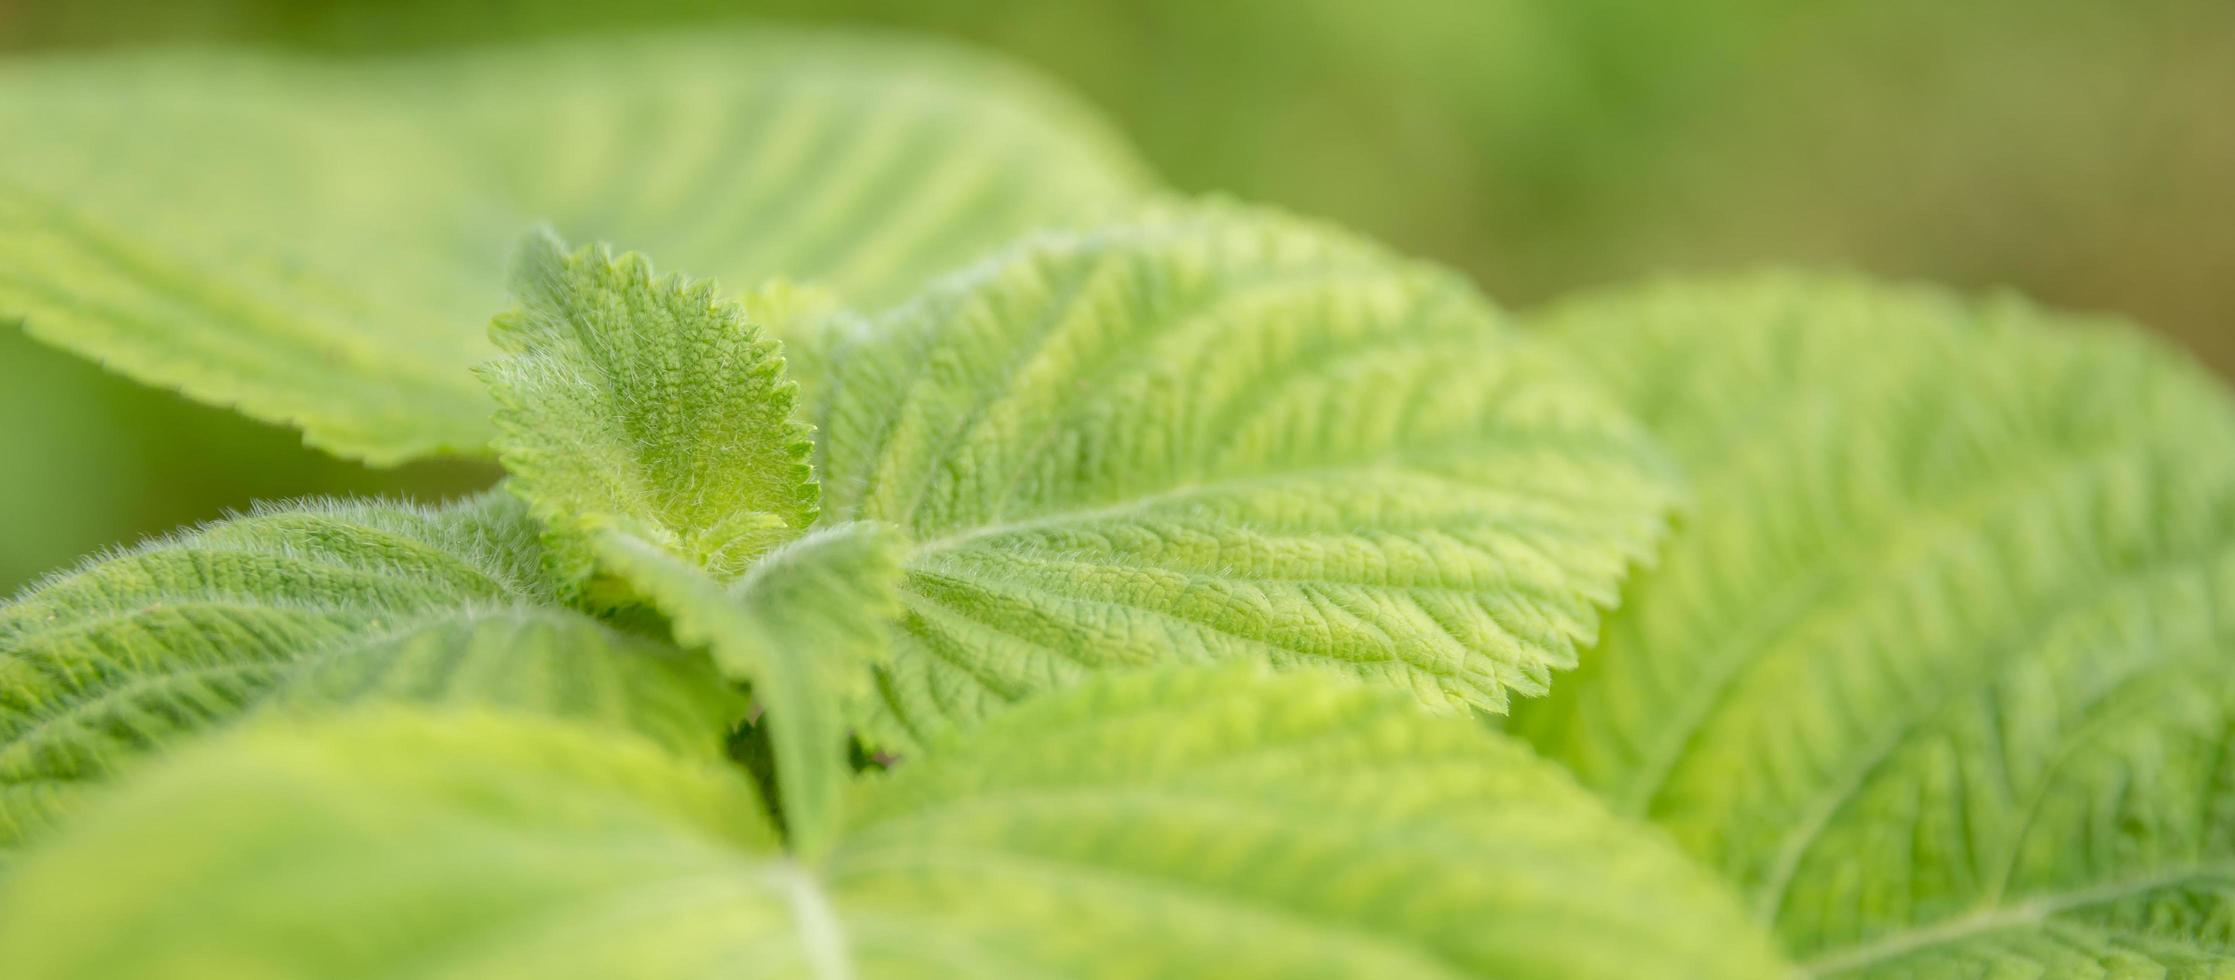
(1120, 602)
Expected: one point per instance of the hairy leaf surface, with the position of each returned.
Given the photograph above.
(318, 604)
(319, 243)
(1941, 671)
(1190, 823)
(1215, 433)
(650, 405)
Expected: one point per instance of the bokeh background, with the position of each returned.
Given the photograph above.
(2080, 151)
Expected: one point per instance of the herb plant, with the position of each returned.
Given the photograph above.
(1143, 596)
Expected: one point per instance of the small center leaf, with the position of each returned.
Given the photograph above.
(646, 403)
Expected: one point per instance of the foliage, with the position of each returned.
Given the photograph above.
(1176, 436)
(316, 242)
(1537, 145)
(1242, 824)
(1956, 592)
(1162, 560)
(315, 604)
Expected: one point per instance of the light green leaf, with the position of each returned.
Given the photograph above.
(325, 603)
(1235, 822)
(804, 627)
(1939, 671)
(406, 843)
(1191, 823)
(647, 404)
(1217, 433)
(319, 242)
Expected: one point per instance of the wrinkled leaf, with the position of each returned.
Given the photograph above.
(302, 607)
(1938, 671)
(1216, 434)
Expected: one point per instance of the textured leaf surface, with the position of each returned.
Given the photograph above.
(1941, 672)
(1196, 823)
(320, 243)
(803, 627)
(650, 405)
(1217, 434)
(325, 603)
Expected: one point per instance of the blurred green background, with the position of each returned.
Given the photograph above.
(2081, 151)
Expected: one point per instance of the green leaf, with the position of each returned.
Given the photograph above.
(1191, 823)
(313, 605)
(1235, 822)
(399, 842)
(650, 405)
(1937, 671)
(803, 627)
(1217, 434)
(318, 242)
